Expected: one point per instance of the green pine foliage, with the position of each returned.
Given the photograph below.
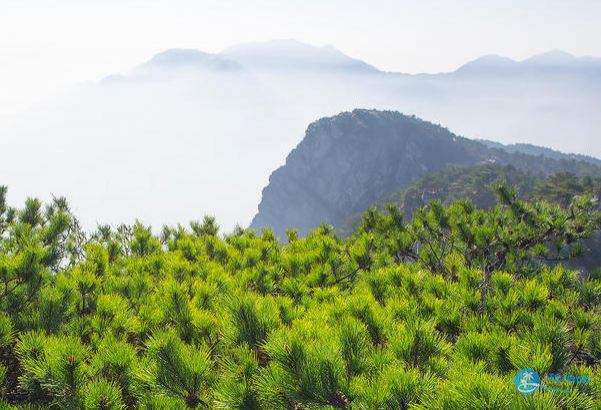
(438, 311)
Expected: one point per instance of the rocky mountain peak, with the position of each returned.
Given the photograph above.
(347, 161)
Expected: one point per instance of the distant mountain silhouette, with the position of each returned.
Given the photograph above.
(488, 64)
(552, 61)
(294, 55)
(297, 56)
(177, 57)
(559, 58)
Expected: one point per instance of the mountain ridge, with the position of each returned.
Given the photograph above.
(535, 150)
(292, 54)
(181, 56)
(347, 161)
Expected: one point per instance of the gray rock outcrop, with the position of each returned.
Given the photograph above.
(346, 162)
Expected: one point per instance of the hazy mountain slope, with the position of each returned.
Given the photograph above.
(449, 185)
(177, 57)
(292, 55)
(553, 62)
(348, 161)
(184, 65)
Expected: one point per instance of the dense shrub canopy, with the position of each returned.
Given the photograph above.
(437, 312)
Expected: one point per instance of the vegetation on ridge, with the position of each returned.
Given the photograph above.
(452, 184)
(436, 312)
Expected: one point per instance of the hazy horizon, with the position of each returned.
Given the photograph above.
(169, 145)
(46, 47)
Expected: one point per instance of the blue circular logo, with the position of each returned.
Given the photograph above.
(527, 381)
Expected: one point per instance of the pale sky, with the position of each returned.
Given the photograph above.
(47, 46)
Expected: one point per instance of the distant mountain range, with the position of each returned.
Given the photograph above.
(550, 99)
(177, 57)
(209, 129)
(292, 55)
(550, 62)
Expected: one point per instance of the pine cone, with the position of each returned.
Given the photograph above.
(262, 357)
(102, 401)
(130, 402)
(299, 406)
(85, 339)
(192, 401)
(71, 359)
(339, 400)
(132, 338)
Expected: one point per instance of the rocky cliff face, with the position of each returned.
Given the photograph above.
(346, 162)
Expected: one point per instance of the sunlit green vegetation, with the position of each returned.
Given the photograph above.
(436, 312)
